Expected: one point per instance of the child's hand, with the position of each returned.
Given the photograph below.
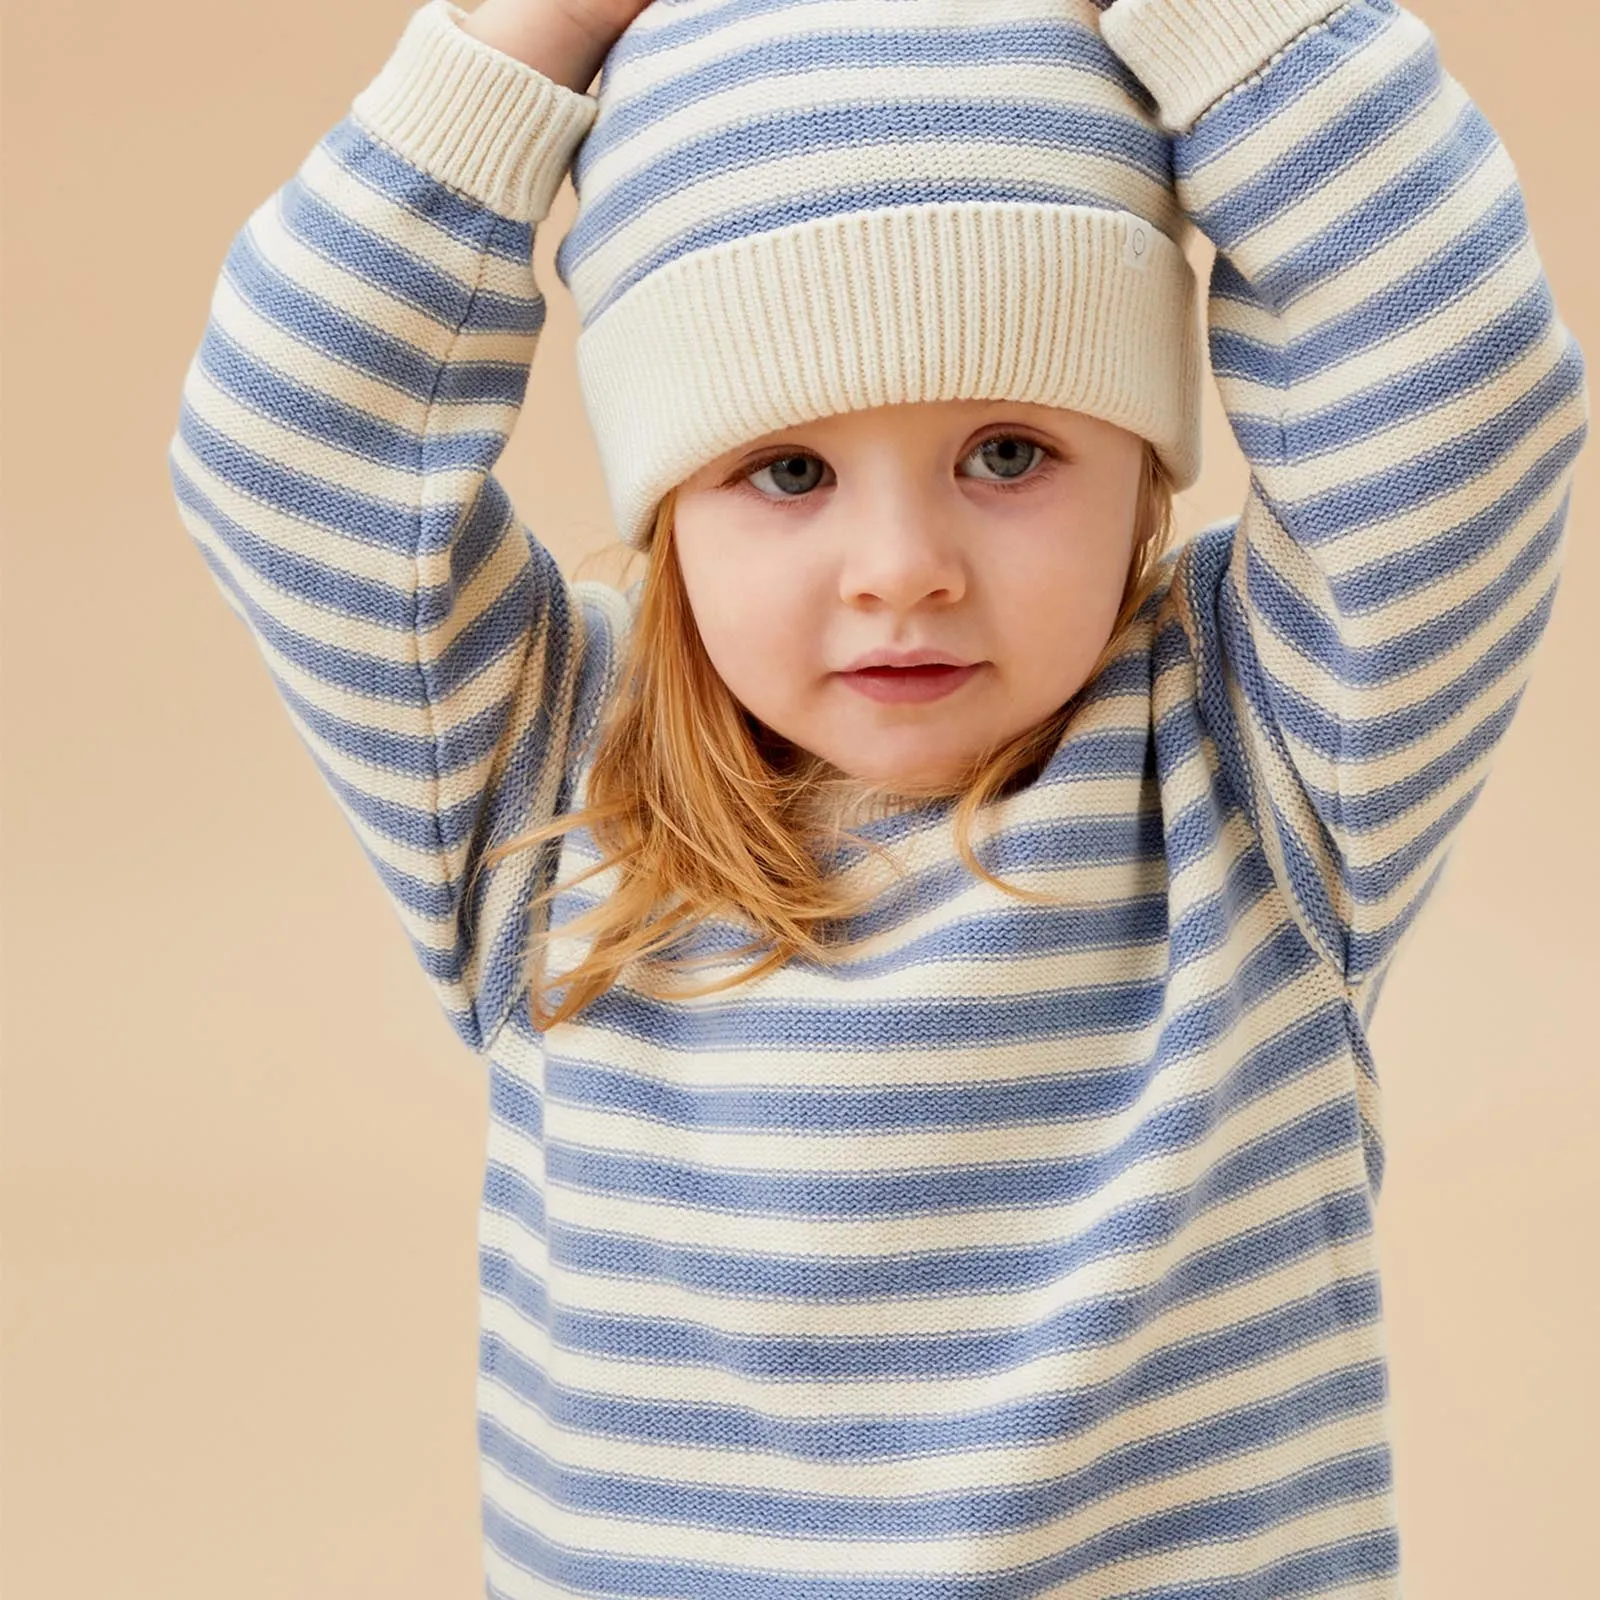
(566, 40)
(607, 19)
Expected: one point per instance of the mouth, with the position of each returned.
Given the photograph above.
(928, 669)
(910, 685)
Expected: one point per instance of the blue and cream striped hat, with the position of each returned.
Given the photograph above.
(792, 208)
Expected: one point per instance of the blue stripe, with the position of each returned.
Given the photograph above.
(1122, 925)
(1348, 1391)
(1426, 387)
(1364, 1555)
(407, 186)
(656, 33)
(1301, 1048)
(1061, 45)
(517, 1104)
(299, 408)
(1369, 950)
(1317, 637)
(1321, 157)
(403, 527)
(300, 495)
(1140, 1225)
(1273, 704)
(1373, 882)
(915, 1023)
(1329, 1221)
(1346, 1303)
(312, 581)
(817, 1112)
(1481, 249)
(330, 332)
(367, 255)
(334, 590)
(1109, 840)
(320, 325)
(1415, 197)
(501, 626)
(727, 227)
(1468, 454)
(1205, 927)
(735, 1509)
(1227, 1517)
(1035, 125)
(1410, 569)
(1379, 808)
(1308, 887)
(1308, 61)
(464, 744)
(1357, 1557)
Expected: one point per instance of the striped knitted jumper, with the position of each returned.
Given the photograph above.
(1027, 1250)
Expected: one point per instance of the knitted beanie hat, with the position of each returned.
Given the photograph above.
(793, 208)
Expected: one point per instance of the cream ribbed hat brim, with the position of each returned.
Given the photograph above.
(1078, 307)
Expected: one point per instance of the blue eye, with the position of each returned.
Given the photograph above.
(785, 471)
(1010, 455)
(1009, 461)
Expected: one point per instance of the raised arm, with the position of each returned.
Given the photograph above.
(1386, 345)
(365, 360)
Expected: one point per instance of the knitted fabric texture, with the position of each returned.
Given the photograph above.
(1028, 1251)
(786, 211)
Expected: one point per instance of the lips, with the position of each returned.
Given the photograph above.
(909, 685)
(906, 658)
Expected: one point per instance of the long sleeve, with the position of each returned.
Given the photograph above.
(1390, 357)
(365, 359)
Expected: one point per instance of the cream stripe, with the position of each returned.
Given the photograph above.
(397, 645)
(966, 1553)
(1131, 1273)
(1347, 290)
(1326, 101)
(1191, 52)
(1172, 1410)
(732, 35)
(864, 88)
(1070, 1369)
(818, 172)
(712, 1069)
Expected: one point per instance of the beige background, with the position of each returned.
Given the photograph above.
(241, 1146)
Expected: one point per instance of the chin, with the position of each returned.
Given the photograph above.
(928, 773)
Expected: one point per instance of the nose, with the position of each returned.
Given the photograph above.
(899, 553)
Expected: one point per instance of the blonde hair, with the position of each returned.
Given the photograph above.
(707, 813)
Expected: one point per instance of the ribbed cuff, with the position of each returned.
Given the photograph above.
(1189, 53)
(475, 118)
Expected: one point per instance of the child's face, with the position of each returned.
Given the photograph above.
(896, 529)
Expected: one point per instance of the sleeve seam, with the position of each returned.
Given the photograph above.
(430, 709)
(615, 644)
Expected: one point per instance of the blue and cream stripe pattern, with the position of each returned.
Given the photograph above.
(1028, 1251)
(1014, 100)
(789, 209)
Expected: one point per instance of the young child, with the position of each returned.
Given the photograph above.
(1005, 1227)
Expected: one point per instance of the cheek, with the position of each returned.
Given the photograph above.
(1065, 576)
(1056, 601)
(751, 621)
